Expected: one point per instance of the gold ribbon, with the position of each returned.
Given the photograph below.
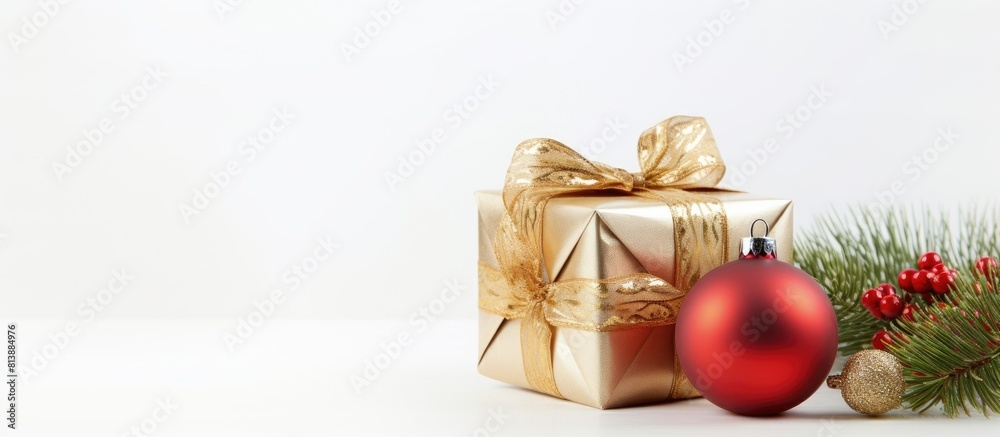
(675, 155)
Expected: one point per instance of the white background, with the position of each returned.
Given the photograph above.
(896, 78)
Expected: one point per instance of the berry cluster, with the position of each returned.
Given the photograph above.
(884, 303)
(931, 280)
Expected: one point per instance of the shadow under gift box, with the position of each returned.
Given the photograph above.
(606, 236)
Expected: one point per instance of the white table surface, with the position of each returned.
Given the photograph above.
(292, 378)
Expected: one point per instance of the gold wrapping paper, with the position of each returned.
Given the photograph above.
(582, 301)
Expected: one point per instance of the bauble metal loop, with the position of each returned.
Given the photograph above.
(767, 227)
(759, 247)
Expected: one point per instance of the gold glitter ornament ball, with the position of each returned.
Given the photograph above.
(871, 382)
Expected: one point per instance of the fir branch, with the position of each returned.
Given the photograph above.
(951, 352)
(850, 253)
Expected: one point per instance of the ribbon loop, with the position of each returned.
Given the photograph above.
(680, 152)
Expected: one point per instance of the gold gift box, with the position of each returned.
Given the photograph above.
(608, 235)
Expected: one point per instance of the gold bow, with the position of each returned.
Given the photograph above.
(675, 155)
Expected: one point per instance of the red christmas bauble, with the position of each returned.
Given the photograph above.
(756, 336)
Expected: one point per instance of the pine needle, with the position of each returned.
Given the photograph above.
(950, 350)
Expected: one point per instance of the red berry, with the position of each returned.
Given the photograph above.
(928, 297)
(909, 311)
(905, 279)
(939, 268)
(875, 312)
(943, 283)
(891, 306)
(986, 266)
(870, 300)
(929, 260)
(922, 282)
(886, 289)
(881, 340)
